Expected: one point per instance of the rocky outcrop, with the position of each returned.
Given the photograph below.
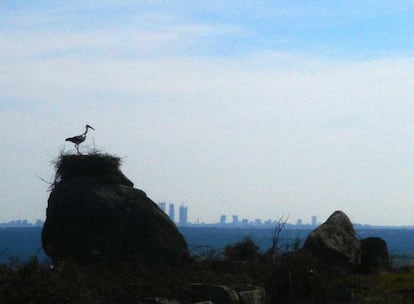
(220, 294)
(201, 293)
(95, 214)
(158, 300)
(250, 294)
(335, 243)
(374, 255)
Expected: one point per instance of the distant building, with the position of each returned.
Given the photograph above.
(171, 212)
(235, 219)
(183, 215)
(163, 206)
(245, 222)
(314, 220)
(223, 219)
(268, 222)
(258, 221)
(299, 222)
(17, 224)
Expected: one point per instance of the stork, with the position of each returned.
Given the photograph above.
(77, 140)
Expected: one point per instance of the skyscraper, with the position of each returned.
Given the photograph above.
(183, 215)
(314, 220)
(223, 219)
(235, 219)
(171, 212)
(163, 206)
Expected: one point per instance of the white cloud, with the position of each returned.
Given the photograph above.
(259, 134)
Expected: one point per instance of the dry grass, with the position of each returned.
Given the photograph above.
(96, 165)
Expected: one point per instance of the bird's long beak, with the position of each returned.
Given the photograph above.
(90, 127)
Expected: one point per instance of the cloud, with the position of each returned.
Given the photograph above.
(295, 131)
(260, 131)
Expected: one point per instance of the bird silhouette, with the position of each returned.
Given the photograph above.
(77, 140)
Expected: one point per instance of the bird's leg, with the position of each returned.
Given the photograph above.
(77, 148)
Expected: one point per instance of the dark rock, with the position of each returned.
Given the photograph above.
(159, 300)
(374, 255)
(250, 294)
(218, 294)
(335, 243)
(94, 214)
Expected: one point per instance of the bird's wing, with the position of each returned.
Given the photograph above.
(76, 139)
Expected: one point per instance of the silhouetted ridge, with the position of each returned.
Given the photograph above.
(104, 167)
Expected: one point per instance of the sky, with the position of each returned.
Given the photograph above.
(254, 108)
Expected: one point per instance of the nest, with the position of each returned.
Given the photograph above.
(98, 166)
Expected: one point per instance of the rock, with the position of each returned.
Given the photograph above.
(374, 255)
(94, 214)
(335, 243)
(250, 294)
(159, 300)
(218, 294)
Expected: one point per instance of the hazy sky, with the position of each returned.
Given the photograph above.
(255, 108)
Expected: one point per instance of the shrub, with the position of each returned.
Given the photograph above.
(244, 250)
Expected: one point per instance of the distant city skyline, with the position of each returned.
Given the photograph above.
(21, 223)
(183, 218)
(244, 223)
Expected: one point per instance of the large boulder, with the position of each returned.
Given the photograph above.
(250, 294)
(218, 294)
(335, 243)
(374, 255)
(95, 214)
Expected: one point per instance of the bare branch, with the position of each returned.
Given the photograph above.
(280, 225)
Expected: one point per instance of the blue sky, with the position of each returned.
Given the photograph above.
(254, 108)
(339, 28)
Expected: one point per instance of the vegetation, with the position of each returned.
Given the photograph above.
(92, 165)
(32, 282)
(292, 277)
(288, 274)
